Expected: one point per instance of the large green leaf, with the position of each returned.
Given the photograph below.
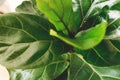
(61, 14)
(107, 53)
(85, 39)
(80, 70)
(25, 41)
(47, 72)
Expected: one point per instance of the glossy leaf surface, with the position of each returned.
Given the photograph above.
(104, 54)
(90, 27)
(81, 70)
(47, 72)
(25, 41)
(85, 39)
(60, 14)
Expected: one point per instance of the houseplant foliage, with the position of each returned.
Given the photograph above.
(62, 40)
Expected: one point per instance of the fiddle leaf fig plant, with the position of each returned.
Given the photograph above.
(62, 40)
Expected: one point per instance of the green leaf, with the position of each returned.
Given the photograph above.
(113, 31)
(60, 13)
(26, 7)
(81, 70)
(83, 8)
(89, 12)
(47, 72)
(113, 35)
(74, 16)
(107, 53)
(85, 39)
(116, 6)
(35, 8)
(25, 41)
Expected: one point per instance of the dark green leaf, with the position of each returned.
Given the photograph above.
(89, 12)
(48, 72)
(107, 53)
(116, 6)
(113, 31)
(81, 70)
(114, 35)
(25, 41)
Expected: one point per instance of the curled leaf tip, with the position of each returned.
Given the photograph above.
(53, 33)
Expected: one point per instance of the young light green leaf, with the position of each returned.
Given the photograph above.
(85, 39)
(25, 41)
(61, 14)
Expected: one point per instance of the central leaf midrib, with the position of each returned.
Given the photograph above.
(91, 66)
(60, 18)
(41, 26)
(30, 35)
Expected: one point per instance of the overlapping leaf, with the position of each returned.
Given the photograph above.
(34, 4)
(48, 72)
(85, 39)
(73, 16)
(25, 41)
(81, 70)
(60, 14)
(26, 7)
(107, 52)
(113, 31)
(116, 6)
